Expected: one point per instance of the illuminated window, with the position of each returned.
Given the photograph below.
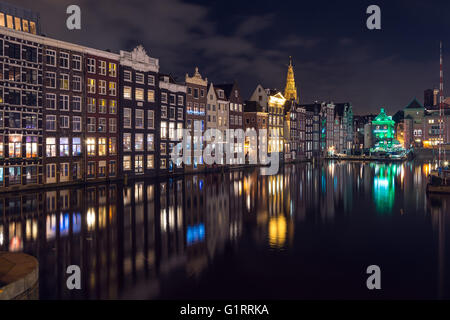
(32, 27)
(102, 105)
(17, 23)
(31, 147)
(163, 164)
(139, 164)
(179, 131)
(91, 85)
(2, 19)
(150, 95)
(63, 147)
(112, 89)
(163, 148)
(9, 21)
(163, 130)
(102, 146)
(150, 161)
(127, 93)
(76, 147)
(139, 119)
(126, 163)
(139, 142)
(91, 105)
(112, 106)
(90, 143)
(2, 150)
(127, 142)
(150, 142)
(139, 93)
(50, 147)
(172, 130)
(112, 146)
(112, 69)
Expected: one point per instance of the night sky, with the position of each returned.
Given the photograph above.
(335, 56)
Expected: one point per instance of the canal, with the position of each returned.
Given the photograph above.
(308, 232)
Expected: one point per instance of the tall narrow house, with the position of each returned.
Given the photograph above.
(139, 113)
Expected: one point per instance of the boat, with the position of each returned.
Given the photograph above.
(439, 180)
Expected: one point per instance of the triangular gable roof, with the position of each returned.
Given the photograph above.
(414, 104)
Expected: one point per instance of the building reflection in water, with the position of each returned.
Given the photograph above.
(129, 239)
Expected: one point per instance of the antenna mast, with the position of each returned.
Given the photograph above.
(441, 101)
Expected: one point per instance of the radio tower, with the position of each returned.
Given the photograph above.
(441, 101)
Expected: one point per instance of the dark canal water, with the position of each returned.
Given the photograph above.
(309, 232)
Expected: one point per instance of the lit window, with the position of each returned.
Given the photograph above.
(151, 119)
(76, 147)
(15, 146)
(127, 93)
(102, 146)
(31, 147)
(102, 125)
(91, 65)
(50, 147)
(112, 69)
(91, 85)
(102, 68)
(139, 119)
(9, 21)
(112, 89)
(90, 143)
(112, 146)
(139, 93)
(150, 95)
(150, 142)
(150, 161)
(112, 106)
(91, 105)
(32, 27)
(126, 163)
(139, 142)
(127, 142)
(102, 86)
(63, 147)
(163, 130)
(127, 118)
(102, 105)
(17, 23)
(2, 19)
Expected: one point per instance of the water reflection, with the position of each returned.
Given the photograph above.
(149, 238)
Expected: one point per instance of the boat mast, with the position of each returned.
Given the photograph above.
(441, 102)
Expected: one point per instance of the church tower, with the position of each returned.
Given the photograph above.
(290, 92)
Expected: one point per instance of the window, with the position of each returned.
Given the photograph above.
(127, 118)
(76, 63)
(163, 97)
(139, 142)
(14, 175)
(163, 130)
(91, 85)
(112, 69)
(64, 171)
(64, 60)
(139, 78)
(31, 147)
(64, 103)
(127, 75)
(112, 146)
(2, 150)
(172, 113)
(150, 95)
(50, 79)
(90, 144)
(64, 122)
(150, 161)
(9, 21)
(102, 125)
(63, 147)
(139, 164)
(76, 104)
(180, 100)
(150, 119)
(139, 94)
(163, 111)
(179, 131)
(91, 169)
(172, 99)
(127, 93)
(163, 164)
(102, 146)
(112, 125)
(76, 147)
(15, 146)
(139, 119)
(180, 114)
(112, 89)
(91, 105)
(50, 123)
(64, 81)
(50, 57)
(195, 93)
(127, 163)
(112, 106)
(163, 148)
(112, 168)
(150, 142)
(50, 147)
(102, 105)
(102, 68)
(76, 83)
(127, 142)
(102, 86)
(151, 80)
(50, 101)
(91, 65)
(91, 125)
(172, 130)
